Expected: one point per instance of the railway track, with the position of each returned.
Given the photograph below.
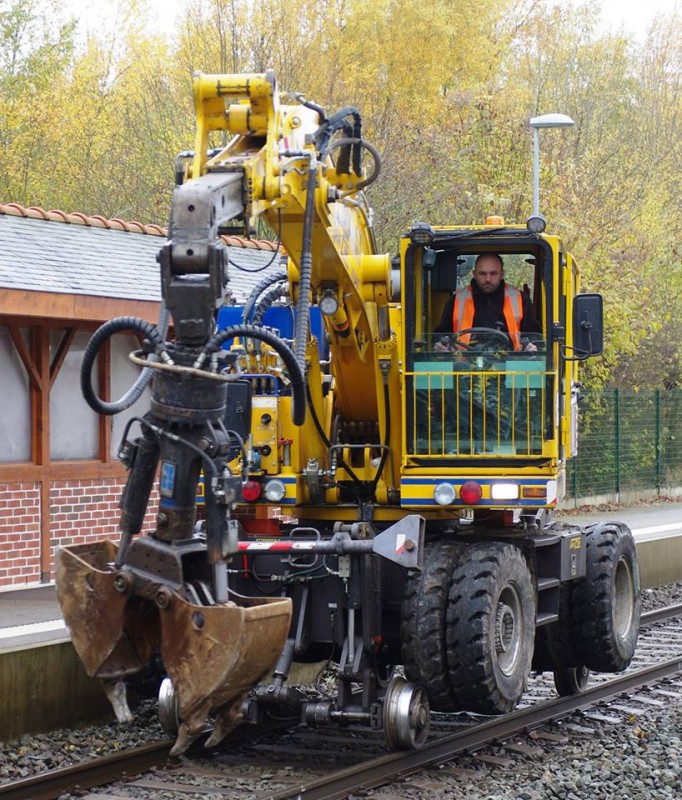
(332, 763)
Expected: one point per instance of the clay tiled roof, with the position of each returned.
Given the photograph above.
(75, 254)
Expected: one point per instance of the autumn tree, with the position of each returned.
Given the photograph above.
(445, 91)
(34, 57)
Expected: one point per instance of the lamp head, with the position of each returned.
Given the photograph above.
(551, 121)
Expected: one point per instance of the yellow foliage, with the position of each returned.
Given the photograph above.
(445, 89)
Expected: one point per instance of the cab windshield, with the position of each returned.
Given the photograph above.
(475, 393)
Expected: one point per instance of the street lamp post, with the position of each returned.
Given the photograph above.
(545, 121)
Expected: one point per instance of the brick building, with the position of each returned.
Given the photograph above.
(61, 276)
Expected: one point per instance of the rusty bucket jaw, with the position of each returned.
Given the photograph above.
(213, 654)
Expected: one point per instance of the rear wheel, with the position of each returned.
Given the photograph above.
(606, 605)
(571, 680)
(490, 628)
(423, 625)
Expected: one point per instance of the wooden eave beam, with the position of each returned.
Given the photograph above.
(73, 307)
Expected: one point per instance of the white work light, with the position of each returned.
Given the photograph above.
(274, 491)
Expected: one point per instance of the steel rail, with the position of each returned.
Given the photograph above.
(109, 769)
(661, 614)
(84, 775)
(396, 766)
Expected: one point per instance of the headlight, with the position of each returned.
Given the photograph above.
(444, 494)
(504, 491)
(536, 224)
(422, 233)
(274, 491)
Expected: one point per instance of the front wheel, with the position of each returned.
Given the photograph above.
(168, 708)
(423, 625)
(490, 628)
(406, 715)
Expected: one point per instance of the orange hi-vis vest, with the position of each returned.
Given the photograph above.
(464, 310)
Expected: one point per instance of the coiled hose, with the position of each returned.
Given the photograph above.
(267, 299)
(156, 335)
(257, 291)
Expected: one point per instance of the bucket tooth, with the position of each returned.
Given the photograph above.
(117, 695)
(184, 740)
(226, 719)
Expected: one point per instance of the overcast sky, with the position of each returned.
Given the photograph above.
(636, 15)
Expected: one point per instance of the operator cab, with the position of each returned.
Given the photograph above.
(474, 395)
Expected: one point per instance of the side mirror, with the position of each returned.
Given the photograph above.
(588, 325)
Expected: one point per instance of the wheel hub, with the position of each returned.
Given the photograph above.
(508, 632)
(624, 609)
(504, 628)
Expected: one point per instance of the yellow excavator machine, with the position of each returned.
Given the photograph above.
(377, 495)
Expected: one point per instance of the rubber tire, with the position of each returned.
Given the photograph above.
(482, 574)
(571, 680)
(554, 648)
(604, 634)
(423, 620)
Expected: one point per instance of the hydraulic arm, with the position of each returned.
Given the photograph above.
(170, 590)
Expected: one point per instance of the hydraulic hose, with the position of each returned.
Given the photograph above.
(360, 144)
(328, 444)
(300, 98)
(335, 122)
(296, 374)
(104, 332)
(267, 300)
(306, 268)
(257, 290)
(387, 439)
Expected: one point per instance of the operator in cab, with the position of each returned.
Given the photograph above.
(489, 302)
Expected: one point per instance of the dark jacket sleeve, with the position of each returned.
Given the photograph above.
(528, 322)
(445, 324)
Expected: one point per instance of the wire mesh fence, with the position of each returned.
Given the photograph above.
(628, 442)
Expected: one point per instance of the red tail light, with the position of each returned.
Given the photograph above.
(470, 492)
(251, 491)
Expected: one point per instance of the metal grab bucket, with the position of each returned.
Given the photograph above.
(213, 654)
(113, 635)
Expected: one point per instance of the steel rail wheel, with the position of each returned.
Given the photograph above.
(168, 708)
(406, 715)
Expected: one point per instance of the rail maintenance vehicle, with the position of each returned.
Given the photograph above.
(381, 500)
